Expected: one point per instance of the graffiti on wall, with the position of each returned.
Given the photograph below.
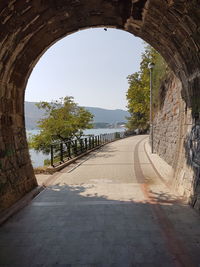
(193, 145)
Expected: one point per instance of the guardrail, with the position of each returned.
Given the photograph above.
(62, 152)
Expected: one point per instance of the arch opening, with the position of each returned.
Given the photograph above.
(92, 66)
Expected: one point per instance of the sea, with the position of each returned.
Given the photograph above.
(38, 158)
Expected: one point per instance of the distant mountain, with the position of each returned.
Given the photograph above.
(33, 114)
(108, 115)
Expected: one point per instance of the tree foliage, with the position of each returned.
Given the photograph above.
(64, 121)
(138, 94)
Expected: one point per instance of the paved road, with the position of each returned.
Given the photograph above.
(109, 209)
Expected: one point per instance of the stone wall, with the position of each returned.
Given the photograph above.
(14, 154)
(177, 141)
(166, 120)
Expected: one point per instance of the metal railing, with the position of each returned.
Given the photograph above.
(62, 152)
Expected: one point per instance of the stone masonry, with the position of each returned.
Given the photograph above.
(166, 121)
(28, 28)
(177, 141)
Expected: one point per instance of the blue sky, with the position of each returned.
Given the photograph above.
(90, 65)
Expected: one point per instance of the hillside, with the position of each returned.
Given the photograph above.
(33, 114)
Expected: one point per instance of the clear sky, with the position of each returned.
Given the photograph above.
(90, 65)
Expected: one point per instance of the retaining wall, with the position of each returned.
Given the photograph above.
(177, 140)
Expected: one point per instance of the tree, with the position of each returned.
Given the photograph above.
(64, 121)
(138, 94)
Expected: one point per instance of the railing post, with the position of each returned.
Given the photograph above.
(92, 141)
(81, 145)
(89, 143)
(69, 149)
(75, 147)
(61, 151)
(52, 155)
(95, 141)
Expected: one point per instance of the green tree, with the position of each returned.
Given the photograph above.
(138, 95)
(64, 121)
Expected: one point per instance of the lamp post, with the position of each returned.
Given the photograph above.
(151, 66)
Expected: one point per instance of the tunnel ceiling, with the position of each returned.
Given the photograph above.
(28, 28)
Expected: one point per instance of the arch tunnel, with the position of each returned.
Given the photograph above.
(28, 28)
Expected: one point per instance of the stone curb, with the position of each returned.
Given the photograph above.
(166, 174)
(6, 214)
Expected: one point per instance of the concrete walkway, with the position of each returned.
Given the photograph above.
(112, 208)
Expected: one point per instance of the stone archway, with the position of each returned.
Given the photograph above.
(28, 28)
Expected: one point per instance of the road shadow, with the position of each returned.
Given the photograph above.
(66, 226)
